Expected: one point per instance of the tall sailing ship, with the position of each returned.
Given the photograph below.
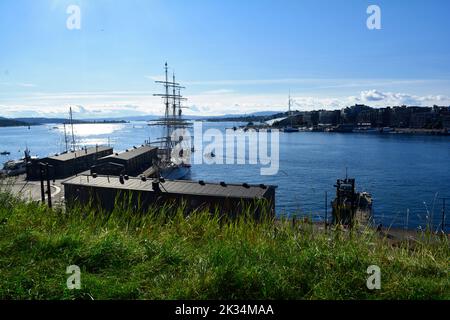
(174, 153)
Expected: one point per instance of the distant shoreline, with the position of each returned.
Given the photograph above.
(395, 131)
(11, 124)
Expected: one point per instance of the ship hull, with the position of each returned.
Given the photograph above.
(176, 173)
(290, 130)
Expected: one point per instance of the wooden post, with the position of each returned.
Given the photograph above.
(49, 190)
(443, 215)
(41, 171)
(326, 210)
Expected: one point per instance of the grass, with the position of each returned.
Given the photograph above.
(164, 255)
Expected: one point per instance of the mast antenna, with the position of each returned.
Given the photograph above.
(289, 103)
(73, 135)
(65, 137)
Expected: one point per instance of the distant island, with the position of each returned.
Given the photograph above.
(26, 122)
(4, 122)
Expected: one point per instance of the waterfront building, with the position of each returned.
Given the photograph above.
(131, 162)
(367, 116)
(383, 118)
(327, 117)
(310, 118)
(349, 115)
(141, 194)
(421, 120)
(400, 117)
(446, 120)
(67, 164)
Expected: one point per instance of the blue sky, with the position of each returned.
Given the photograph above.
(233, 56)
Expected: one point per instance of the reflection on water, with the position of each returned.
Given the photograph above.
(94, 141)
(85, 130)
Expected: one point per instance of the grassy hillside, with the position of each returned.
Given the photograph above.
(163, 255)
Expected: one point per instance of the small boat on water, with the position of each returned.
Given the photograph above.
(351, 207)
(366, 130)
(14, 167)
(5, 153)
(17, 167)
(290, 129)
(386, 130)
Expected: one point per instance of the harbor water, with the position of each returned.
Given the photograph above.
(407, 175)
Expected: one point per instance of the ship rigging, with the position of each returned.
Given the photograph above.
(172, 165)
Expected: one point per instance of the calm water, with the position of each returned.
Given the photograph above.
(403, 173)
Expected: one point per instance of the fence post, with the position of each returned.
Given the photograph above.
(443, 215)
(49, 190)
(326, 210)
(41, 174)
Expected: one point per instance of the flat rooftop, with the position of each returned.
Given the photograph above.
(130, 154)
(79, 153)
(194, 188)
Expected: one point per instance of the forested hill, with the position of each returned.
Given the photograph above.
(4, 122)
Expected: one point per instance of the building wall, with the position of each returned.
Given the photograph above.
(422, 120)
(132, 167)
(446, 121)
(106, 199)
(329, 117)
(65, 169)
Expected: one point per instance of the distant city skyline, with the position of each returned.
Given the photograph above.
(234, 57)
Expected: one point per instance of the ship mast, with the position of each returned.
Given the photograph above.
(172, 98)
(174, 106)
(289, 103)
(65, 137)
(73, 135)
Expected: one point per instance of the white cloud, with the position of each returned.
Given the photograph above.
(391, 98)
(320, 83)
(212, 102)
(18, 84)
(218, 91)
(156, 77)
(372, 95)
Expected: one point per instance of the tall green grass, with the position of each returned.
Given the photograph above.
(164, 254)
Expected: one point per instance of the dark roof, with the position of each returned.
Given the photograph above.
(79, 153)
(130, 154)
(175, 187)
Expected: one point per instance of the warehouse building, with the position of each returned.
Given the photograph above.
(69, 163)
(142, 194)
(131, 162)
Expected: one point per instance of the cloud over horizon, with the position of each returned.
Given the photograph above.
(211, 102)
